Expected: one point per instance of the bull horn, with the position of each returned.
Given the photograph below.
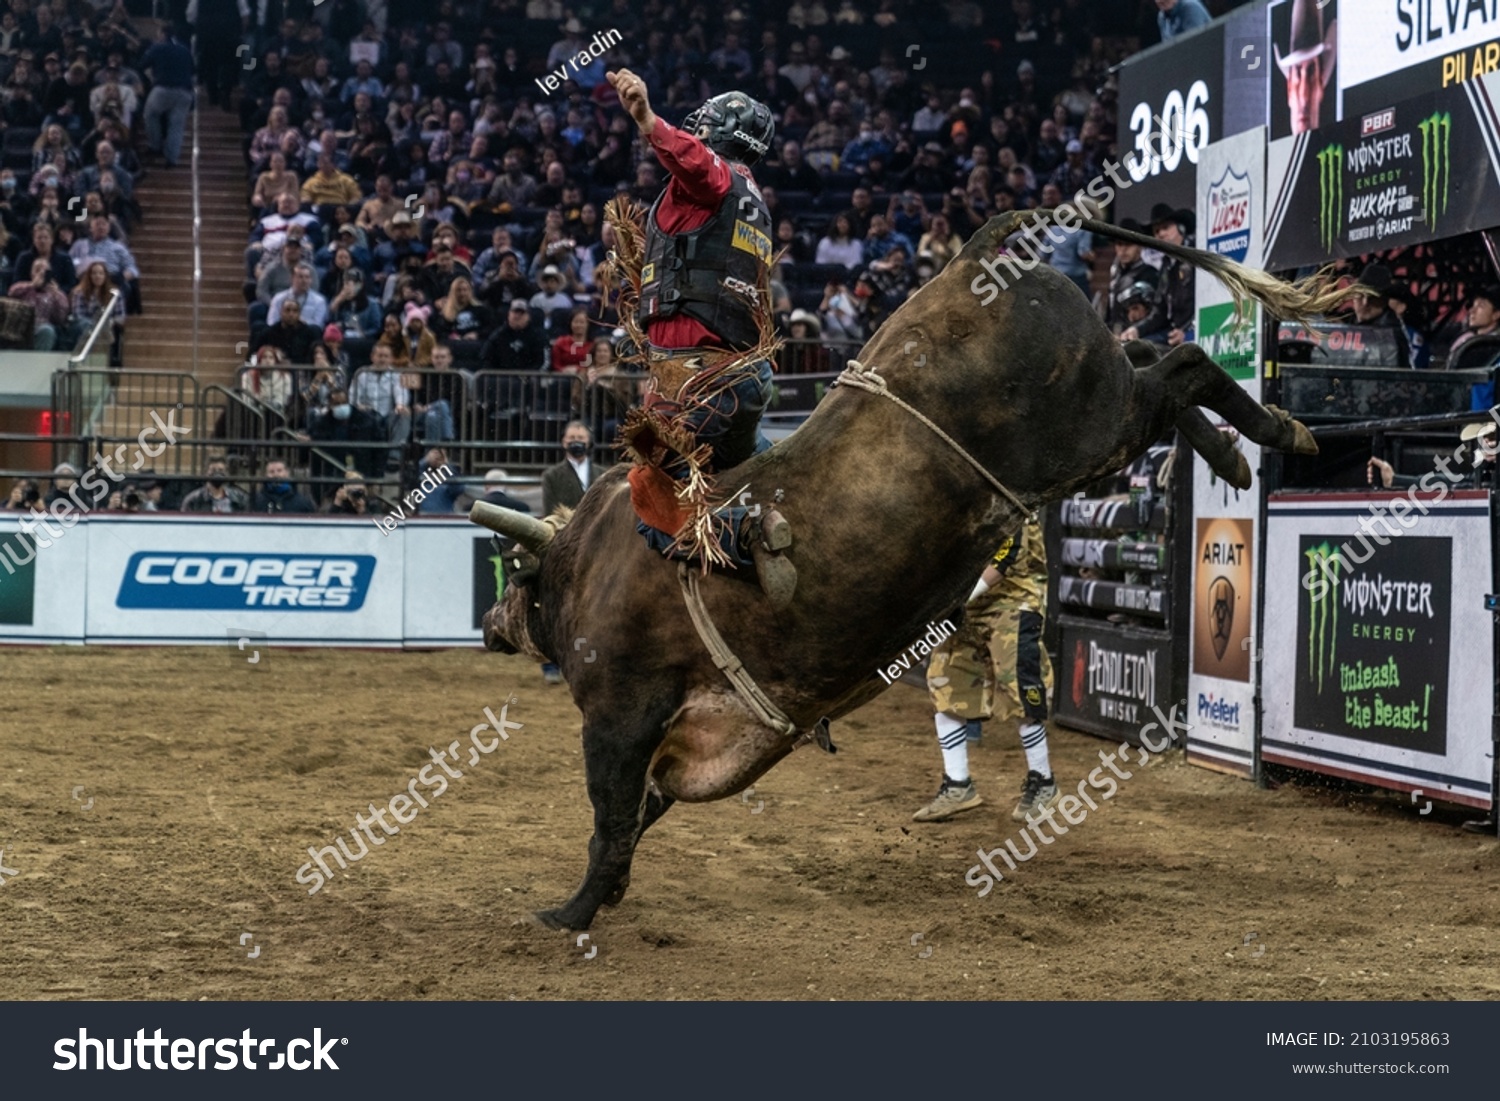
(530, 532)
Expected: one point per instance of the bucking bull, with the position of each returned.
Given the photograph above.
(896, 506)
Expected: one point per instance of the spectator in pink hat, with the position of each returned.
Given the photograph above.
(417, 337)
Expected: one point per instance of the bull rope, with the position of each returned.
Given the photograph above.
(857, 375)
(731, 666)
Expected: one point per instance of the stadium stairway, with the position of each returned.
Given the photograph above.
(161, 338)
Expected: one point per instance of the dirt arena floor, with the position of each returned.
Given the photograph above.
(155, 806)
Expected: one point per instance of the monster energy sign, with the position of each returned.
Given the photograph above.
(1372, 639)
(1437, 165)
(1383, 181)
(1330, 195)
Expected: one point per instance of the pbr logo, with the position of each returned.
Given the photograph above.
(1229, 215)
(187, 582)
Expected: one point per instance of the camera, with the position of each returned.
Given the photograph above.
(31, 496)
(132, 498)
(1492, 602)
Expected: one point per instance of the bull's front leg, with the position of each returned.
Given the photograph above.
(617, 758)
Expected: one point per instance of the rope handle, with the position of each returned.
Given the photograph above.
(857, 375)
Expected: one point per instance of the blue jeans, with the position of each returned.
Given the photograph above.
(438, 422)
(730, 422)
(166, 118)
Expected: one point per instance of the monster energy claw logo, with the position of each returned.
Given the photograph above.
(1437, 156)
(1330, 195)
(1324, 565)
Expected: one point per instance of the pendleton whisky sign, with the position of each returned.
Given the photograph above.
(1407, 173)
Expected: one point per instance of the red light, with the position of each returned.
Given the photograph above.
(44, 428)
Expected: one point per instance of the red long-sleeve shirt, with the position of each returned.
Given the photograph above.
(699, 181)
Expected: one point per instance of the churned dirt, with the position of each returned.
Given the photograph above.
(209, 780)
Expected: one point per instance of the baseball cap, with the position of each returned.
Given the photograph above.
(1075, 146)
(400, 218)
(518, 305)
(332, 332)
(551, 269)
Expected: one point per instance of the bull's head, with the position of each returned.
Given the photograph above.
(505, 625)
(531, 533)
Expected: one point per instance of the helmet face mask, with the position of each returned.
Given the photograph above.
(734, 126)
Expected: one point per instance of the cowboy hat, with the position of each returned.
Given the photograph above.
(806, 318)
(1162, 212)
(1309, 39)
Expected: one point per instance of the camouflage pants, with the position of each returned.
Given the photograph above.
(1000, 644)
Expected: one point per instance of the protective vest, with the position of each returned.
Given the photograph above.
(712, 273)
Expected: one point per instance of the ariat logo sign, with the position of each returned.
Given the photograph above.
(750, 239)
(1330, 196)
(1437, 158)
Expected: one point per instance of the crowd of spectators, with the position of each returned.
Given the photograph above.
(413, 187)
(75, 78)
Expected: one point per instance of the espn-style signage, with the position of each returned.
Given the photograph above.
(1414, 171)
(1392, 662)
(1111, 677)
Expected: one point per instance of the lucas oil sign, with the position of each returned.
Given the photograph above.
(1229, 215)
(236, 582)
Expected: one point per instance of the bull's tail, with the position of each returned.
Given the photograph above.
(1304, 300)
(1300, 301)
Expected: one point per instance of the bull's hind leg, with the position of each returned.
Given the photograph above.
(1188, 377)
(1227, 461)
(617, 754)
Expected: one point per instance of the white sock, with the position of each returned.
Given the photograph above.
(1034, 742)
(955, 746)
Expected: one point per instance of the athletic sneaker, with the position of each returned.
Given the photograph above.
(1037, 794)
(951, 798)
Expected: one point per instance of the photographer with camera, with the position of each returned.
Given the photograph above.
(51, 305)
(25, 496)
(350, 499)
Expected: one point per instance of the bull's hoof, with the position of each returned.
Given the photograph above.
(1241, 478)
(618, 894)
(1302, 442)
(557, 919)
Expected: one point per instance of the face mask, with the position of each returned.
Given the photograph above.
(216, 480)
(463, 177)
(8, 185)
(341, 412)
(578, 450)
(278, 488)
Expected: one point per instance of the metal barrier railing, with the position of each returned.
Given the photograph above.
(79, 396)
